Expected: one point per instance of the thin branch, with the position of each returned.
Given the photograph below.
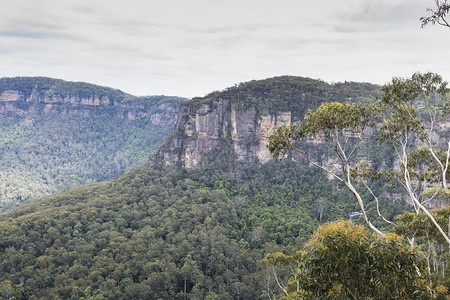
(376, 201)
(317, 165)
(356, 145)
(278, 282)
(432, 197)
(355, 193)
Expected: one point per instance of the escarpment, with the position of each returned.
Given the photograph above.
(236, 122)
(201, 130)
(57, 134)
(24, 95)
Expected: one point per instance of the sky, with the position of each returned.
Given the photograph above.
(190, 48)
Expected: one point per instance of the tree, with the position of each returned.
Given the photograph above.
(412, 107)
(341, 127)
(321, 206)
(345, 261)
(407, 115)
(438, 15)
(432, 244)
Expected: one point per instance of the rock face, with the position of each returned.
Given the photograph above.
(236, 122)
(37, 96)
(201, 129)
(11, 95)
(25, 95)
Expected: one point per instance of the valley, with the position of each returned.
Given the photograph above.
(57, 134)
(195, 220)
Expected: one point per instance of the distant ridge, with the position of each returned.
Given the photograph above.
(56, 134)
(234, 123)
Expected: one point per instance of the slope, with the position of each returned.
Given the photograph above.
(167, 232)
(57, 134)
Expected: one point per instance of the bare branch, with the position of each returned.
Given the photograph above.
(376, 201)
(316, 164)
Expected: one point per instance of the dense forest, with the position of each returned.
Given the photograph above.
(156, 233)
(292, 93)
(228, 229)
(43, 152)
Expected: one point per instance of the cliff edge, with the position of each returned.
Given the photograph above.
(235, 122)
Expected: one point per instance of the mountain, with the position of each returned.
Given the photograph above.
(235, 122)
(164, 231)
(57, 134)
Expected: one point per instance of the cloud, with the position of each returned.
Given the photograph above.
(192, 47)
(34, 34)
(378, 15)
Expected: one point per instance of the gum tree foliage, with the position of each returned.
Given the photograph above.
(438, 14)
(429, 240)
(412, 109)
(398, 122)
(345, 261)
(340, 126)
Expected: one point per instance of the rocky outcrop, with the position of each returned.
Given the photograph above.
(23, 95)
(234, 123)
(37, 97)
(11, 95)
(205, 127)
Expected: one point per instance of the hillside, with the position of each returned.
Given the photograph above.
(146, 234)
(57, 134)
(235, 122)
(161, 231)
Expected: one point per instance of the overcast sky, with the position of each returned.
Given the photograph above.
(193, 47)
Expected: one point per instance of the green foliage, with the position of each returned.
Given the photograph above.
(345, 261)
(45, 152)
(341, 127)
(291, 93)
(419, 228)
(151, 231)
(327, 121)
(418, 225)
(400, 116)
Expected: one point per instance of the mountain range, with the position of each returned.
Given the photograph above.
(193, 221)
(57, 134)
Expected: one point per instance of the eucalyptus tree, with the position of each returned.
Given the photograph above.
(407, 117)
(412, 110)
(340, 126)
(432, 244)
(438, 15)
(345, 261)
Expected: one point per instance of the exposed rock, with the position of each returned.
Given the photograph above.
(11, 95)
(200, 129)
(14, 101)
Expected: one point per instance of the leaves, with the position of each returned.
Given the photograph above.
(345, 261)
(438, 15)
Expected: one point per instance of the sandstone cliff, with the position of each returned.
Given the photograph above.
(23, 95)
(200, 130)
(57, 134)
(236, 122)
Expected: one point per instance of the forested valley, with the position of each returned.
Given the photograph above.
(57, 134)
(232, 228)
(151, 231)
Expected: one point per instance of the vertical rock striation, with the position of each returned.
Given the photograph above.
(235, 123)
(203, 128)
